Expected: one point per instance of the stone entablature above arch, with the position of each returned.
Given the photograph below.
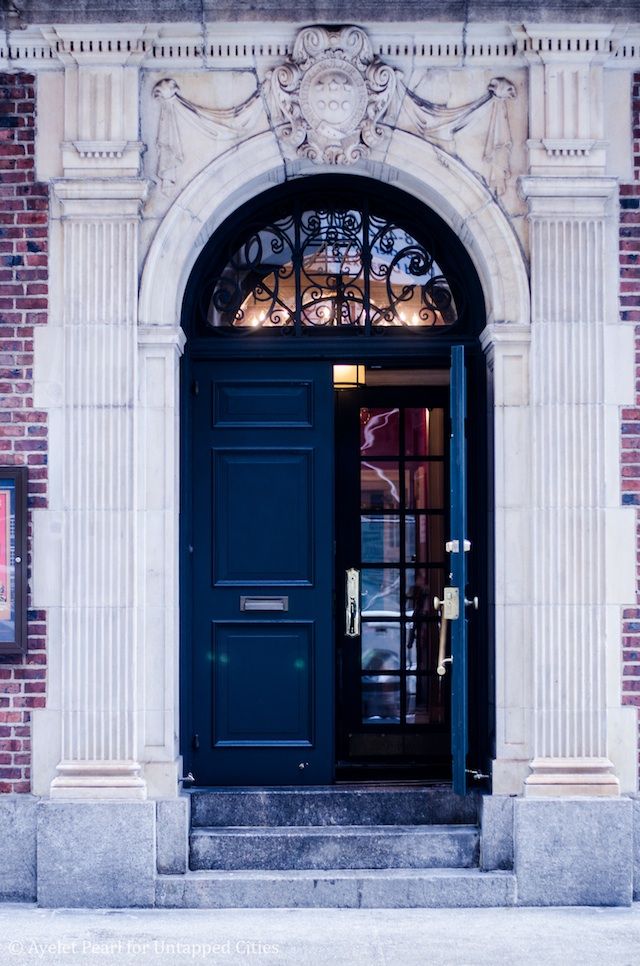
(334, 101)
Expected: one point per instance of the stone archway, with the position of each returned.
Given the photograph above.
(240, 174)
(450, 189)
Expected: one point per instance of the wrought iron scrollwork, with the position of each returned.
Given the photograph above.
(328, 268)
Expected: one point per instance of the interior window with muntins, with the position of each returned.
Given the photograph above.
(328, 267)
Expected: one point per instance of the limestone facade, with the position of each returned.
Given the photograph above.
(149, 136)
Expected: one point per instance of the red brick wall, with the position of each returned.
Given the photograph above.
(630, 308)
(23, 429)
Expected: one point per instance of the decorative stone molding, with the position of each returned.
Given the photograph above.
(566, 113)
(223, 44)
(332, 102)
(224, 123)
(101, 113)
(439, 123)
(328, 99)
(417, 166)
(100, 594)
(159, 350)
(507, 349)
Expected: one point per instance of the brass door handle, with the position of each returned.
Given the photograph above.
(352, 609)
(441, 669)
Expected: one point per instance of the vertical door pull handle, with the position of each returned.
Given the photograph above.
(440, 607)
(352, 614)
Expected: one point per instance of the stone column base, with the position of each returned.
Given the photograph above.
(96, 854)
(99, 779)
(18, 848)
(554, 777)
(573, 852)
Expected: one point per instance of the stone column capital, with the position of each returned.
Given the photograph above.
(557, 197)
(98, 198)
(162, 336)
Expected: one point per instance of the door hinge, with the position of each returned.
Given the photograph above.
(195, 742)
(195, 387)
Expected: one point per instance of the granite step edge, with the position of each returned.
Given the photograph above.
(338, 888)
(346, 847)
(332, 807)
(335, 831)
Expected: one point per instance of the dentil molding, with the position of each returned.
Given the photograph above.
(238, 44)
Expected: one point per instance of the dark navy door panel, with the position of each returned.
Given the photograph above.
(254, 486)
(243, 657)
(261, 573)
(458, 564)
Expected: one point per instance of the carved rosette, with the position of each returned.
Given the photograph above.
(330, 97)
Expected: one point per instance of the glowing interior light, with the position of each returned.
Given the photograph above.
(348, 376)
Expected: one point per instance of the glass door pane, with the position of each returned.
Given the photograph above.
(402, 513)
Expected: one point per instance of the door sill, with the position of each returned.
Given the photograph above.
(358, 774)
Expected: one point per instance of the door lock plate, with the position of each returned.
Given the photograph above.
(451, 603)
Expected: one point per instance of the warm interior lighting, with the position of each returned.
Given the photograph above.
(348, 376)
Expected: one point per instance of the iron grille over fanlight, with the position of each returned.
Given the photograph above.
(328, 266)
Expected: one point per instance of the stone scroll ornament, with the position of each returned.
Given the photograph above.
(327, 101)
(220, 123)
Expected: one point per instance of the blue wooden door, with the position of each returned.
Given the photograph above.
(261, 552)
(458, 548)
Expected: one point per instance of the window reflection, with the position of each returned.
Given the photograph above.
(380, 539)
(379, 432)
(402, 533)
(380, 486)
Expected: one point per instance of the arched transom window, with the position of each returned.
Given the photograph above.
(344, 264)
(334, 254)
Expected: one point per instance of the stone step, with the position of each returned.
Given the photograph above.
(332, 805)
(338, 847)
(337, 889)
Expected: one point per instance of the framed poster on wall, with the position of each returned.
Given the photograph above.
(13, 559)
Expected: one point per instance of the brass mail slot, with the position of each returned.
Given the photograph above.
(264, 603)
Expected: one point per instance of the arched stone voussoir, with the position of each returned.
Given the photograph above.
(231, 179)
(438, 180)
(452, 190)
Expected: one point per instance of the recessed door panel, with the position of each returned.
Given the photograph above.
(263, 404)
(255, 541)
(260, 574)
(262, 684)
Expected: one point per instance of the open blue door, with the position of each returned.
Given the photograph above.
(457, 548)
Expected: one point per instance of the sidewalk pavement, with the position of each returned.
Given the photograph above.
(321, 937)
